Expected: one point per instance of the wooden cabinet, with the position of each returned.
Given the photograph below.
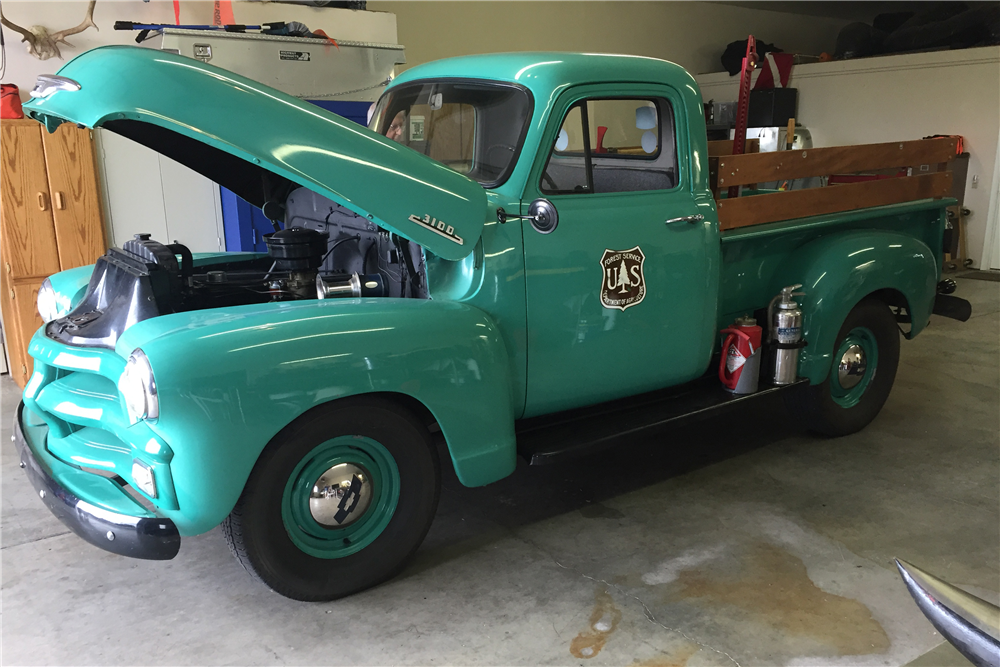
(50, 221)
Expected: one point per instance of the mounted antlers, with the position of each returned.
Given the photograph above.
(41, 43)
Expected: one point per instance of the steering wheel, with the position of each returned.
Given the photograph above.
(549, 182)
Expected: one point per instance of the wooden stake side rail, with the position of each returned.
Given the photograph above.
(720, 147)
(784, 165)
(773, 207)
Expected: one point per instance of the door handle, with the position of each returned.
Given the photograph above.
(697, 217)
(60, 202)
(43, 202)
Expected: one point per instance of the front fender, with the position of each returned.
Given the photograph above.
(839, 270)
(70, 287)
(230, 379)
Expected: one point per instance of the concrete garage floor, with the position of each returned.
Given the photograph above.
(741, 542)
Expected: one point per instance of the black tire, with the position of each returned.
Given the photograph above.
(256, 529)
(816, 406)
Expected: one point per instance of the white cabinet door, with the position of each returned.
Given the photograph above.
(193, 208)
(146, 192)
(133, 192)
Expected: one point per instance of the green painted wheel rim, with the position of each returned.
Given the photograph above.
(322, 541)
(865, 339)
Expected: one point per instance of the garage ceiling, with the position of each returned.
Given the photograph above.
(849, 10)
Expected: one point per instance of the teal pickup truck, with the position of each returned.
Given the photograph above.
(521, 254)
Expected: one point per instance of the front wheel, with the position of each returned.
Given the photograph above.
(338, 501)
(863, 369)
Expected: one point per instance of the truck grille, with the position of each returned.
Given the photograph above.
(74, 390)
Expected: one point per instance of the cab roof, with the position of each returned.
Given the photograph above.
(543, 73)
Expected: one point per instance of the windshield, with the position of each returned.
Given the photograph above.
(475, 128)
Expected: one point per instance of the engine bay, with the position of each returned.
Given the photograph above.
(324, 251)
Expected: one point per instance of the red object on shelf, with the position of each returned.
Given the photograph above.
(323, 34)
(775, 71)
(10, 102)
(740, 138)
(601, 131)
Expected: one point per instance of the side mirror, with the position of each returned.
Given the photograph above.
(544, 216)
(542, 213)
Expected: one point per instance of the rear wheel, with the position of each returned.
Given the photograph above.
(338, 501)
(863, 369)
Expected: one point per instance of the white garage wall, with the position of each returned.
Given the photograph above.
(897, 98)
(144, 191)
(22, 69)
(692, 34)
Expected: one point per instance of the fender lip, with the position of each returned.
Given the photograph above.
(135, 537)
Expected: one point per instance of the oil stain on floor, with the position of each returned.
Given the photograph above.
(604, 620)
(676, 658)
(771, 588)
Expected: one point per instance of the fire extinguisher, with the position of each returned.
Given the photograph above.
(784, 317)
(739, 367)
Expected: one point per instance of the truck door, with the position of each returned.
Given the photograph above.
(621, 296)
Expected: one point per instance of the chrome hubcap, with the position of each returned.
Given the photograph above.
(852, 367)
(341, 495)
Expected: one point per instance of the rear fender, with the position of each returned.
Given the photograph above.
(230, 379)
(840, 270)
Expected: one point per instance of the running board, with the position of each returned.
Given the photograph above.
(582, 431)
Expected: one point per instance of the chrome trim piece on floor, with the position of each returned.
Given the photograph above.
(971, 624)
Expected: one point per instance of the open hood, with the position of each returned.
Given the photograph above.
(251, 138)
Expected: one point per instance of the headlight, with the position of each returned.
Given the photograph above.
(48, 307)
(142, 475)
(138, 388)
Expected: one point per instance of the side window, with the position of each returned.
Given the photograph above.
(624, 127)
(614, 145)
(566, 171)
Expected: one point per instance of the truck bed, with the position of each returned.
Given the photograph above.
(761, 250)
(762, 231)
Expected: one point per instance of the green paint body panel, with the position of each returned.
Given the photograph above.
(514, 327)
(674, 324)
(839, 260)
(230, 379)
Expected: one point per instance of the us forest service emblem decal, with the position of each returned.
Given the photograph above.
(624, 284)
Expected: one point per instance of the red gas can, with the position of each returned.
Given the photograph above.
(739, 367)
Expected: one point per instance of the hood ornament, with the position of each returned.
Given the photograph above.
(46, 84)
